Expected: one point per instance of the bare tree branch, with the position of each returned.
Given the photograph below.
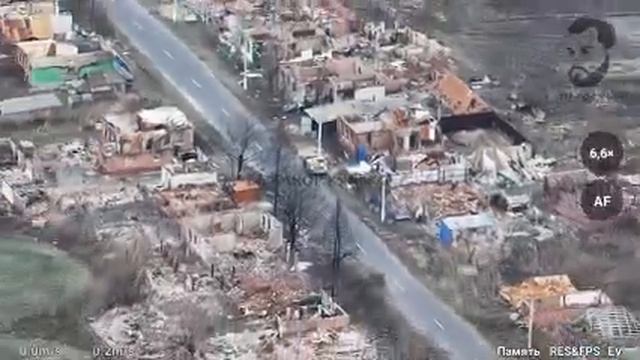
(245, 135)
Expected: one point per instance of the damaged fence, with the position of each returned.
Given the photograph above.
(447, 173)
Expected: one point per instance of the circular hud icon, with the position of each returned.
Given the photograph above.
(601, 200)
(601, 152)
(590, 41)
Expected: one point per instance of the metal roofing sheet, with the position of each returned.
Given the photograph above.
(29, 103)
(475, 221)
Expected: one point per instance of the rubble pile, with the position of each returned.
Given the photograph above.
(438, 201)
(75, 153)
(269, 296)
(93, 199)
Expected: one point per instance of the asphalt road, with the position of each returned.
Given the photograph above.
(199, 86)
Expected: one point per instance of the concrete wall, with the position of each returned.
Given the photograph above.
(14, 199)
(248, 222)
(447, 173)
(292, 327)
(486, 120)
(273, 228)
(371, 93)
(374, 141)
(128, 164)
(172, 181)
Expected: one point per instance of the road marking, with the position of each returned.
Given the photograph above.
(137, 25)
(438, 324)
(397, 284)
(360, 248)
(225, 112)
(168, 54)
(196, 83)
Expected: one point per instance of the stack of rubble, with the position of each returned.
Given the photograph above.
(269, 296)
(438, 201)
(536, 288)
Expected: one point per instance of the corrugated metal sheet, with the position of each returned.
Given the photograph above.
(29, 103)
(477, 221)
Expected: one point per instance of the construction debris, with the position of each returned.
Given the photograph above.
(434, 201)
(537, 288)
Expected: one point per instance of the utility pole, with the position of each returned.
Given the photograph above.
(531, 314)
(247, 50)
(276, 191)
(174, 16)
(337, 251)
(383, 199)
(92, 15)
(319, 149)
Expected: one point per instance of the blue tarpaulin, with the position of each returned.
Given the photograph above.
(361, 153)
(445, 235)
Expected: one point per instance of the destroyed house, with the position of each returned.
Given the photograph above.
(188, 173)
(303, 40)
(28, 21)
(352, 78)
(456, 95)
(327, 116)
(566, 316)
(144, 141)
(312, 81)
(191, 200)
(316, 312)
(305, 82)
(36, 27)
(48, 63)
(398, 131)
(230, 230)
(463, 109)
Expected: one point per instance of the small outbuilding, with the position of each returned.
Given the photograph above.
(451, 228)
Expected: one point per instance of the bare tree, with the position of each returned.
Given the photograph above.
(245, 135)
(126, 277)
(282, 140)
(193, 328)
(296, 201)
(270, 65)
(337, 234)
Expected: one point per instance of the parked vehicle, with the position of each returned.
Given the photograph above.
(316, 165)
(478, 82)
